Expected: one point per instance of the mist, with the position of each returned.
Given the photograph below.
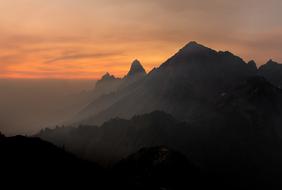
(28, 105)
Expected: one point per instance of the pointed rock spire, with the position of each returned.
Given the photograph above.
(136, 68)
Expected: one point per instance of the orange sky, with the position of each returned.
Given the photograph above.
(86, 38)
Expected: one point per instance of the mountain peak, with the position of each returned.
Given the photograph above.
(189, 53)
(136, 68)
(194, 46)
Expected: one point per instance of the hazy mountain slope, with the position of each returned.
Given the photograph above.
(246, 114)
(240, 138)
(115, 138)
(107, 84)
(110, 90)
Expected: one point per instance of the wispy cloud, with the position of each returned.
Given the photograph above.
(79, 56)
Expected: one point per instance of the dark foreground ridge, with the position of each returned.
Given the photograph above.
(152, 168)
(32, 160)
(24, 159)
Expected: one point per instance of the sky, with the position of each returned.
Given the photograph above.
(83, 39)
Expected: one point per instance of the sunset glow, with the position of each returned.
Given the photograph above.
(84, 39)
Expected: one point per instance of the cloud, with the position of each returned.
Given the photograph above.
(79, 56)
(5, 59)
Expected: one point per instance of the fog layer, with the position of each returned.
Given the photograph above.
(26, 106)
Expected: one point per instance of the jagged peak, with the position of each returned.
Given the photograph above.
(106, 80)
(108, 75)
(136, 68)
(252, 63)
(228, 54)
(271, 62)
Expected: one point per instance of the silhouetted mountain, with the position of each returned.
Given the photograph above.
(184, 86)
(272, 71)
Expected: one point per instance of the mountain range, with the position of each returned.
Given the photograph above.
(222, 113)
(185, 86)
